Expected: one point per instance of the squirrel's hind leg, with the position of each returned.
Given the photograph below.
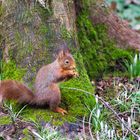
(57, 109)
(55, 101)
(61, 110)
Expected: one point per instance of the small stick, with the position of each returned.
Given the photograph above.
(84, 127)
(89, 126)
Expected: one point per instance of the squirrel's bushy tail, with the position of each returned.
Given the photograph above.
(14, 90)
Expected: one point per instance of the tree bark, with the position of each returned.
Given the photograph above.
(118, 29)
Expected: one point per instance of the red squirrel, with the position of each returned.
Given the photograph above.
(46, 84)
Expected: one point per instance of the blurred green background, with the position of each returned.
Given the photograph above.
(127, 9)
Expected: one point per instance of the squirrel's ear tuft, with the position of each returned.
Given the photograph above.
(61, 54)
(67, 50)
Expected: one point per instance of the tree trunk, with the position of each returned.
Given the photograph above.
(118, 29)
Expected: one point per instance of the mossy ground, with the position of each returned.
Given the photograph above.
(10, 70)
(5, 120)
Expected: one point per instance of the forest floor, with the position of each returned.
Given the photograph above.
(109, 89)
(21, 129)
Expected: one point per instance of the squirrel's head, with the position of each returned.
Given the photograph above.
(66, 59)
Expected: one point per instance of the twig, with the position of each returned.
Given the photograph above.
(106, 104)
(89, 126)
(126, 112)
(84, 128)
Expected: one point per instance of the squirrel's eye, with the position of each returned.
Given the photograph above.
(66, 61)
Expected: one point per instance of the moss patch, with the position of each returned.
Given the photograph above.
(100, 54)
(5, 120)
(11, 71)
(27, 135)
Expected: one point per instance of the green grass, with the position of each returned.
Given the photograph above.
(133, 67)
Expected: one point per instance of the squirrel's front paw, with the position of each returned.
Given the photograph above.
(76, 74)
(72, 73)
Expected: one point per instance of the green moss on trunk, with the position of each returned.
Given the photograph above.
(10, 70)
(100, 54)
